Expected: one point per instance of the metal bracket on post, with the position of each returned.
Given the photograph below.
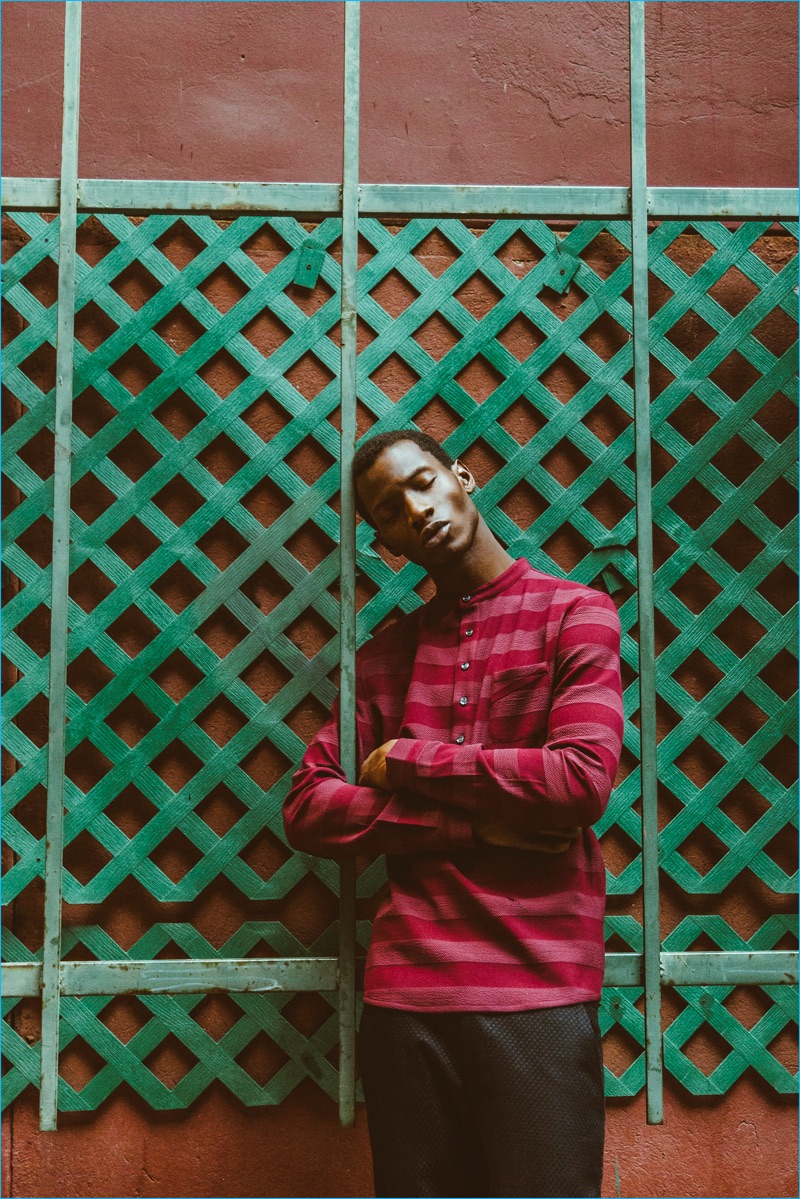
(347, 543)
(309, 263)
(644, 546)
(54, 843)
(563, 268)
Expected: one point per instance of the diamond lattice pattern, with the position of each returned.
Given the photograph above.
(203, 592)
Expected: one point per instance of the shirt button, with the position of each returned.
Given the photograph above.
(469, 632)
(465, 599)
(463, 701)
(465, 665)
(460, 739)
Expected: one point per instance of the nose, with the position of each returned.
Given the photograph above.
(418, 511)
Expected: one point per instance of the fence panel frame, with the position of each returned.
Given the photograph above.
(651, 969)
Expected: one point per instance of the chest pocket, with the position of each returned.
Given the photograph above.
(520, 705)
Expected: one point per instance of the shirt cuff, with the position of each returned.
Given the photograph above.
(439, 770)
(400, 771)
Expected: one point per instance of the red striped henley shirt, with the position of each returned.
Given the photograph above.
(506, 702)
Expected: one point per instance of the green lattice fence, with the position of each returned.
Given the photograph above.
(204, 604)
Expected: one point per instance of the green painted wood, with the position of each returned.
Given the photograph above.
(262, 633)
(471, 199)
(748, 1047)
(62, 470)
(174, 195)
(162, 195)
(347, 550)
(171, 1015)
(133, 588)
(190, 977)
(719, 203)
(312, 256)
(20, 979)
(196, 976)
(644, 547)
(771, 966)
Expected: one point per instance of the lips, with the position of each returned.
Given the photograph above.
(435, 532)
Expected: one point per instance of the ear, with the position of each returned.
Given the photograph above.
(464, 476)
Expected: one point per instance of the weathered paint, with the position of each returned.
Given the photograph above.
(347, 545)
(644, 567)
(199, 975)
(62, 482)
(159, 195)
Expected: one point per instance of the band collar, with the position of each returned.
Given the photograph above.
(441, 606)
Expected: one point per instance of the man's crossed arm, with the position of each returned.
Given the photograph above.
(437, 796)
(487, 829)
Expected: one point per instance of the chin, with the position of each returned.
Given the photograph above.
(448, 554)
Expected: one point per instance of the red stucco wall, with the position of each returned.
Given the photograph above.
(740, 1145)
(452, 92)
(457, 92)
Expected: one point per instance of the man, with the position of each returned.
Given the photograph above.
(489, 728)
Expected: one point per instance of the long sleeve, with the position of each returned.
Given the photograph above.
(565, 781)
(325, 815)
(505, 701)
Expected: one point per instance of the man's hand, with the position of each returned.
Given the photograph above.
(373, 771)
(552, 840)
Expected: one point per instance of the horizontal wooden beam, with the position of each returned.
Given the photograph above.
(403, 199)
(187, 976)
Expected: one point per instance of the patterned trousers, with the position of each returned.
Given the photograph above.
(484, 1103)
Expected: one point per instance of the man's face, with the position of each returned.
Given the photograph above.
(420, 507)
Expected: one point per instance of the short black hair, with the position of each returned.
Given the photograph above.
(370, 450)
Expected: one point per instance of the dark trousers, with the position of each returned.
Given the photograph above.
(484, 1103)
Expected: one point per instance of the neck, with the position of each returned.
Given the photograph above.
(483, 562)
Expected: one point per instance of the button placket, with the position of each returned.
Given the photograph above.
(463, 700)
